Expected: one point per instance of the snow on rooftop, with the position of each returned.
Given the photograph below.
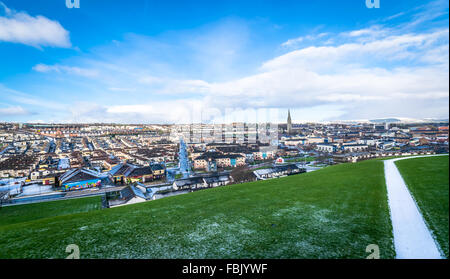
(35, 189)
(64, 163)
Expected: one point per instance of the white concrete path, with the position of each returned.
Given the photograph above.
(412, 238)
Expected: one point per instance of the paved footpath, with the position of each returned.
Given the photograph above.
(412, 238)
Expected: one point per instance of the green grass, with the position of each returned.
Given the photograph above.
(392, 157)
(427, 180)
(307, 159)
(35, 211)
(330, 213)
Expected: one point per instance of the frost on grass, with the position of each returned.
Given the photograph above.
(226, 238)
(298, 231)
(312, 233)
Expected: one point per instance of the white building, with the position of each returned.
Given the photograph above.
(355, 147)
(329, 148)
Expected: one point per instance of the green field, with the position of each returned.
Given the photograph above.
(307, 159)
(35, 211)
(330, 213)
(427, 180)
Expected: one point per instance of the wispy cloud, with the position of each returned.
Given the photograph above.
(13, 111)
(293, 43)
(429, 12)
(65, 70)
(119, 89)
(25, 99)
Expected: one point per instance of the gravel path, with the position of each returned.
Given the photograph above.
(412, 238)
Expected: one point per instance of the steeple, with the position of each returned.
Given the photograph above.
(289, 122)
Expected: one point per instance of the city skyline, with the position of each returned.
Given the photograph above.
(150, 63)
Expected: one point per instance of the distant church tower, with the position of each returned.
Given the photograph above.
(289, 123)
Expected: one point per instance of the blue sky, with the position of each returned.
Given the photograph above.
(217, 61)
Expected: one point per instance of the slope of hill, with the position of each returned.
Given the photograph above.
(31, 212)
(335, 212)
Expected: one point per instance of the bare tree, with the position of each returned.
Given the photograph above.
(242, 174)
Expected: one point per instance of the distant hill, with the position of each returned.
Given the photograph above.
(385, 120)
(392, 120)
(406, 120)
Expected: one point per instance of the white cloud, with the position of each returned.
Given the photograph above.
(65, 69)
(387, 48)
(355, 79)
(367, 34)
(179, 111)
(404, 71)
(13, 111)
(150, 80)
(394, 16)
(429, 12)
(120, 89)
(30, 100)
(37, 31)
(293, 43)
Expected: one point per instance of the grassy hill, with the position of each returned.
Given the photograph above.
(428, 182)
(330, 213)
(35, 211)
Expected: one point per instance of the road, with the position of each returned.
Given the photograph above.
(184, 160)
(6, 148)
(412, 238)
(56, 195)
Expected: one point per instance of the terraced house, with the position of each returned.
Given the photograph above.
(214, 158)
(18, 165)
(159, 171)
(126, 173)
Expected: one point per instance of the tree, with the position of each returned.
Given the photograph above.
(242, 174)
(322, 158)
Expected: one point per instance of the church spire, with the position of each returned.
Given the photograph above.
(289, 122)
